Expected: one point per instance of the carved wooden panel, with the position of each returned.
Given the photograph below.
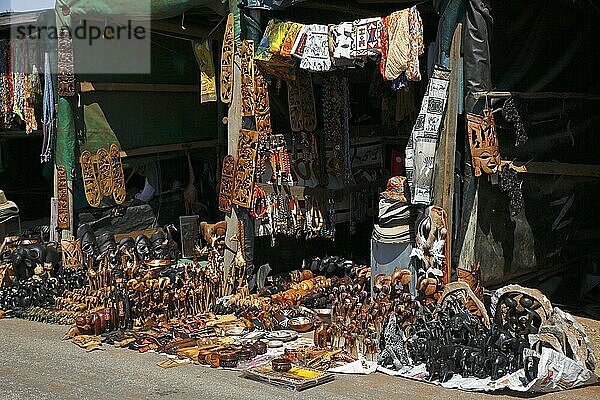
(119, 191)
(227, 52)
(72, 257)
(66, 67)
(62, 202)
(246, 166)
(247, 77)
(90, 183)
(227, 183)
(105, 178)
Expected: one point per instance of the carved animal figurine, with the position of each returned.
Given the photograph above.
(189, 193)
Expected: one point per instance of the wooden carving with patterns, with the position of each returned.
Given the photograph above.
(227, 53)
(472, 278)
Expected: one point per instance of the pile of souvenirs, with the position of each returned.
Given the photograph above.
(329, 314)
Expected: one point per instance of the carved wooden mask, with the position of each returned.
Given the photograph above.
(485, 153)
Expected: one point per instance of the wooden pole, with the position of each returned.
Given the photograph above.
(446, 152)
(234, 125)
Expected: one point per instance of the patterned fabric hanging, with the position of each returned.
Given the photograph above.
(301, 103)
(340, 44)
(203, 53)
(31, 83)
(367, 37)
(417, 48)
(420, 150)
(307, 101)
(290, 39)
(316, 51)
(395, 51)
(332, 112)
(7, 85)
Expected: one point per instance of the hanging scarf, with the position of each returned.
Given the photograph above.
(300, 43)
(274, 63)
(31, 83)
(420, 150)
(346, 115)
(316, 52)
(290, 38)
(8, 89)
(395, 53)
(416, 44)
(332, 115)
(280, 31)
(367, 37)
(340, 44)
(49, 119)
(208, 86)
(18, 79)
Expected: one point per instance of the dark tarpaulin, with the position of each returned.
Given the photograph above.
(536, 46)
(476, 50)
(274, 5)
(545, 46)
(452, 12)
(146, 9)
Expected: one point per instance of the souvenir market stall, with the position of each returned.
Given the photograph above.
(337, 149)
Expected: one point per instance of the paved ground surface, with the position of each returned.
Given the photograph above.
(36, 364)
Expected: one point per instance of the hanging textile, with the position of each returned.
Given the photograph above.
(18, 69)
(332, 119)
(274, 63)
(316, 51)
(420, 150)
(203, 53)
(280, 31)
(300, 42)
(417, 47)
(7, 86)
(345, 89)
(367, 37)
(32, 89)
(340, 44)
(395, 53)
(290, 38)
(307, 101)
(49, 116)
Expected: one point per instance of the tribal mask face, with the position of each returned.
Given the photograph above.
(485, 153)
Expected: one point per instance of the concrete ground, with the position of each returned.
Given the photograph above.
(36, 364)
